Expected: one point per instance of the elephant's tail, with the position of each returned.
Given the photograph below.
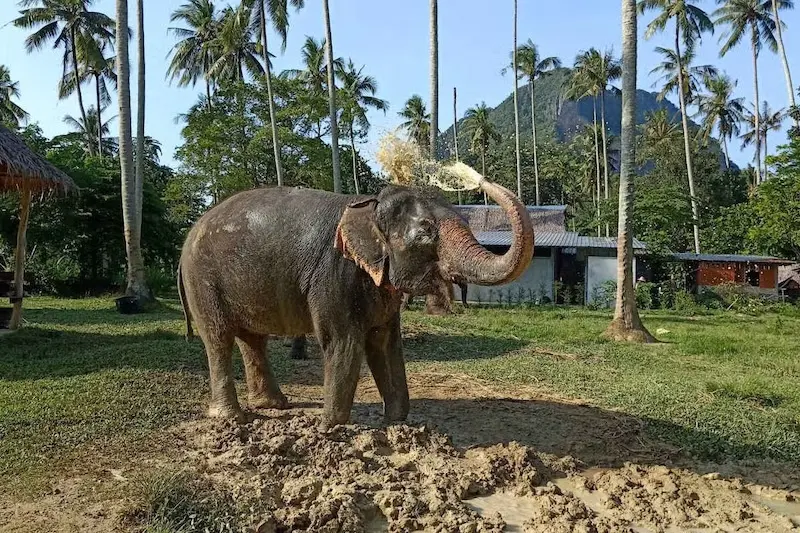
(187, 315)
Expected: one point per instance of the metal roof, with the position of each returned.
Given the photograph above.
(731, 258)
(553, 240)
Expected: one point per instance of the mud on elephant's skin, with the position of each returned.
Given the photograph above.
(288, 262)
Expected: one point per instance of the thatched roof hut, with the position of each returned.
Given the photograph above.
(23, 170)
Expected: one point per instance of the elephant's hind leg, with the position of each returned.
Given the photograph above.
(262, 388)
(224, 403)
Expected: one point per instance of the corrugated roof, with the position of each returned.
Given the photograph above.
(731, 258)
(546, 239)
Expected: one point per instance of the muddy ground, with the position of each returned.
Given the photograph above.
(472, 458)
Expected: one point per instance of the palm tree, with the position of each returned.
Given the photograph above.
(358, 96)
(690, 24)
(481, 130)
(69, 24)
(741, 16)
(692, 76)
(87, 133)
(767, 120)
(193, 55)
(626, 324)
(278, 12)
(234, 47)
(532, 66)
(659, 129)
(140, 117)
(417, 121)
(776, 7)
(11, 114)
(136, 283)
(720, 110)
(95, 66)
(337, 171)
(516, 107)
(434, 52)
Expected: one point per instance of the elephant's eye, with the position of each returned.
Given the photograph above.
(423, 232)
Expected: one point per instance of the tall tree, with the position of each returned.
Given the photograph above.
(755, 17)
(86, 133)
(69, 24)
(193, 55)
(417, 121)
(234, 48)
(532, 66)
(140, 113)
(768, 120)
(434, 53)
(627, 325)
(455, 131)
(358, 96)
(481, 130)
(337, 171)
(787, 73)
(136, 282)
(690, 24)
(11, 114)
(278, 12)
(516, 105)
(719, 109)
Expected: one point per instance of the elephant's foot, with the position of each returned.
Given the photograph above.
(227, 411)
(263, 401)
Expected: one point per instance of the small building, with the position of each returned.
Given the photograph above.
(789, 281)
(755, 271)
(579, 265)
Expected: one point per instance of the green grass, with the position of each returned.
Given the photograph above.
(83, 383)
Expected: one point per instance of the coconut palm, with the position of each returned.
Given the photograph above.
(720, 110)
(69, 24)
(95, 65)
(532, 66)
(691, 23)
(417, 121)
(516, 107)
(767, 120)
(11, 114)
(337, 171)
(627, 326)
(434, 65)
(193, 55)
(358, 96)
(659, 129)
(692, 76)
(482, 132)
(141, 93)
(787, 73)
(86, 133)
(234, 48)
(754, 17)
(278, 13)
(136, 284)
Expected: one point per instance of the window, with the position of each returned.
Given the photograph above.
(753, 277)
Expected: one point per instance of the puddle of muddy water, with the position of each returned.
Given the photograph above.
(790, 510)
(515, 510)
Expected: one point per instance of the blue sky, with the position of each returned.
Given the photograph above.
(390, 37)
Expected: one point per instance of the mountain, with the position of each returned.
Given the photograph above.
(557, 116)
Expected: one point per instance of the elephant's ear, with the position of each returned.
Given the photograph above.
(359, 239)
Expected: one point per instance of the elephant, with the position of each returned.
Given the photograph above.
(290, 261)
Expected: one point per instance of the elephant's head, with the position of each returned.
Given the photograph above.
(413, 239)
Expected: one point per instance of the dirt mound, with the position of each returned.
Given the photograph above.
(359, 478)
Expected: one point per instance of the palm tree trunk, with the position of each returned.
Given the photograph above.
(535, 152)
(756, 117)
(99, 115)
(483, 173)
(516, 108)
(136, 284)
(725, 151)
(337, 173)
(605, 147)
(455, 132)
(74, 55)
(355, 159)
(766, 153)
(686, 141)
(782, 51)
(597, 162)
(434, 37)
(627, 325)
(140, 113)
(273, 122)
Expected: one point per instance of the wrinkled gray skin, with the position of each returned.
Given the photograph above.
(289, 262)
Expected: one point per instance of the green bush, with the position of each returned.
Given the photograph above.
(644, 295)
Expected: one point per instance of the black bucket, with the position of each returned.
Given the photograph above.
(128, 305)
(5, 317)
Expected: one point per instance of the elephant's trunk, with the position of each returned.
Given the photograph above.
(466, 261)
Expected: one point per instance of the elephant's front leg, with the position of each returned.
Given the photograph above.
(385, 360)
(343, 359)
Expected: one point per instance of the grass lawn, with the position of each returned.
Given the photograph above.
(81, 381)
